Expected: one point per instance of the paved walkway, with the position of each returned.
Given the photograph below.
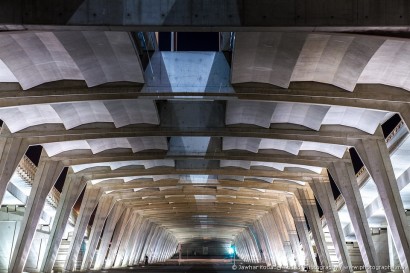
(204, 266)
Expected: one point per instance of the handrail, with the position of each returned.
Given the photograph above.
(395, 131)
(26, 169)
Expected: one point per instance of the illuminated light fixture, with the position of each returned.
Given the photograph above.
(231, 250)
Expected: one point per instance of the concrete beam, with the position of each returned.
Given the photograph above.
(12, 151)
(376, 158)
(288, 221)
(45, 177)
(301, 227)
(322, 189)
(292, 247)
(105, 205)
(119, 231)
(110, 224)
(90, 200)
(308, 203)
(119, 257)
(199, 15)
(345, 178)
(73, 186)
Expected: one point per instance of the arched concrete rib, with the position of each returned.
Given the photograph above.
(52, 56)
(342, 60)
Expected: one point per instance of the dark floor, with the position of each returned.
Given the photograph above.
(205, 268)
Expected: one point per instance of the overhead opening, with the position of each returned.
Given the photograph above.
(33, 153)
(188, 41)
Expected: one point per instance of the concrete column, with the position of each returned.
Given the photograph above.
(73, 186)
(46, 176)
(156, 246)
(376, 158)
(265, 254)
(137, 243)
(142, 241)
(275, 241)
(301, 227)
(393, 257)
(308, 203)
(112, 220)
(90, 200)
(254, 244)
(323, 192)
(12, 151)
(345, 178)
(132, 244)
(159, 248)
(278, 240)
(120, 228)
(105, 205)
(125, 239)
(283, 210)
(151, 232)
(267, 249)
(165, 249)
(283, 231)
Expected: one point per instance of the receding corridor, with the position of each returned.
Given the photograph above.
(188, 136)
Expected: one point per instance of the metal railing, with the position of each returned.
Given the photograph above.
(26, 169)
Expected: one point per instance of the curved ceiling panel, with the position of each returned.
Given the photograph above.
(241, 143)
(79, 113)
(55, 148)
(272, 165)
(36, 58)
(22, 117)
(266, 57)
(243, 164)
(231, 177)
(332, 149)
(148, 164)
(125, 112)
(335, 59)
(148, 143)
(5, 73)
(99, 145)
(389, 65)
(310, 116)
(249, 112)
(360, 118)
(289, 146)
(103, 56)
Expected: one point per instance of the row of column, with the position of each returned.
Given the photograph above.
(373, 152)
(128, 245)
(246, 247)
(127, 240)
(273, 229)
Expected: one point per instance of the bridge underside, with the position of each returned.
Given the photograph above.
(287, 148)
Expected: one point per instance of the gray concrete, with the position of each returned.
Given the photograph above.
(90, 201)
(105, 205)
(13, 150)
(119, 231)
(203, 14)
(322, 189)
(46, 175)
(73, 186)
(375, 156)
(110, 223)
(135, 219)
(308, 203)
(283, 210)
(301, 226)
(345, 179)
